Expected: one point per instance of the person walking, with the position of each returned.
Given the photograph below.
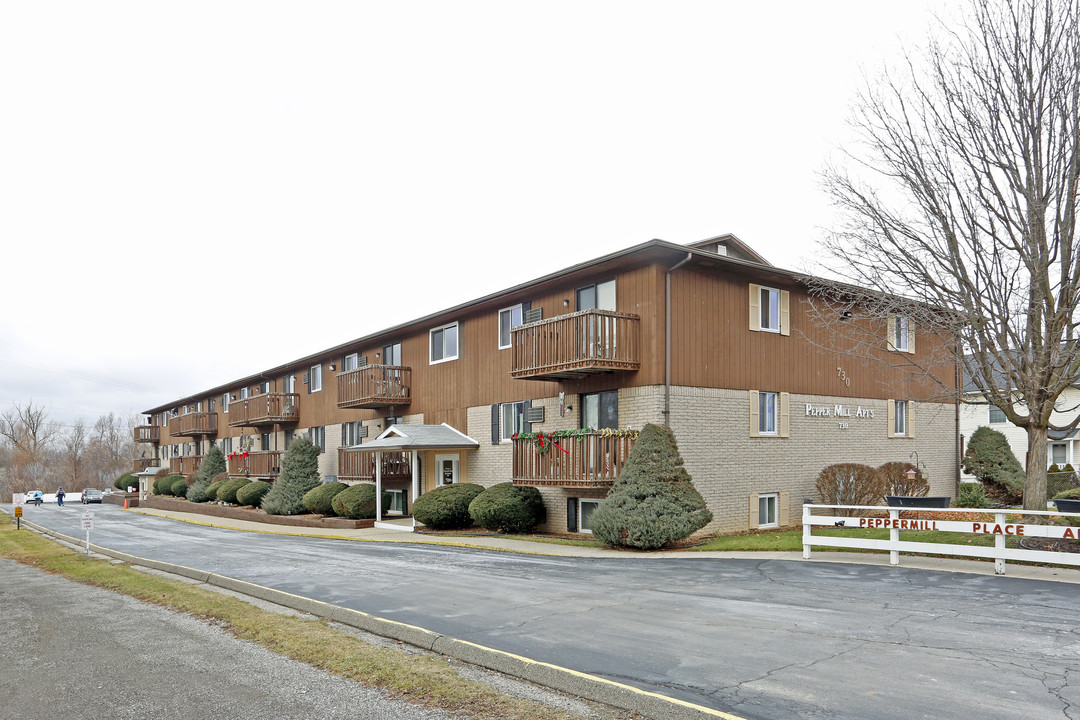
(60, 497)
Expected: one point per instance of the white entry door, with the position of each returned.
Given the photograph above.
(446, 470)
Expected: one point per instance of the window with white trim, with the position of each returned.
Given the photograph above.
(444, 343)
(351, 362)
(767, 510)
(767, 413)
(997, 415)
(225, 402)
(769, 309)
(586, 508)
(397, 502)
(899, 333)
(315, 378)
(317, 435)
(600, 296)
(899, 418)
(288, 383)
(391, 354)
(1059, 454)
(512, 416)
(509, 318)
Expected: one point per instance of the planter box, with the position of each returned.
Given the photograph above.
(913, 501)
(158, 502)
(1068, 505)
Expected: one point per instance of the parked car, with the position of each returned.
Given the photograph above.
(91, 495)
(34, 497)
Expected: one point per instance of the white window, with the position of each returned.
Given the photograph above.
(351, 362)
(397, 502)
(315, 378)
(600, 296)
(226, 445)
(769, 309)
(899, 334)
(351, 433)
(317, 435)
(997, 415)
(444, 343)
(1059, 454)
(391, 354)
(767, 413)
(245, 393)
(509, 318)
(586, 508)
(899, 418)
(289, 383)
(767, 516)
(225, 403)
(513, 419)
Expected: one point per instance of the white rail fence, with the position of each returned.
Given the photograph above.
(1001, 527)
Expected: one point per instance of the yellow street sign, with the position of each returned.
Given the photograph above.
(18, 511)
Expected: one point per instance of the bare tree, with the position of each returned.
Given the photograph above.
(112, 448)
(966, 200)
(30, 433)
(75, 444)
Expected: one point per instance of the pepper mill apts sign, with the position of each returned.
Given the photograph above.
(842, 414)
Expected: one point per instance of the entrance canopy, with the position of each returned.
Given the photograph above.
(400, 438)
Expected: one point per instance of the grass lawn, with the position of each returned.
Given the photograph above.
(420, 679)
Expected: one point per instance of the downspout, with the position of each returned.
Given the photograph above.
(667, 336)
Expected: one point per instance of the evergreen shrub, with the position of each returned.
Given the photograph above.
(895, 476)
(163, 484)
(972, 495)
(179, 488)
(227, 491)
(989, 458)
(507, 508)
(299, 473)
(252, 493)
(212, 465)
(126, 480)
(318, 499)
(357, 502)
(850, 484)
(1060, 479)
(447, 507)
(653, 502)
(212, 488)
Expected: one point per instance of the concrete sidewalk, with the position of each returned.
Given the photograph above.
(503, 544)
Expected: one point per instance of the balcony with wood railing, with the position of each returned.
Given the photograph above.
(268, 409)
(575, 345)
(265, 463)
(193, 424)
(583, 459)
(185, 466)
(356, 465)
(147, 434)
(143, 463)
(374, 386)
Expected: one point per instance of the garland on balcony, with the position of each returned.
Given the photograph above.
(543, 442)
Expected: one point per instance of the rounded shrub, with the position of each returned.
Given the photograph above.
(125, 481)
(508, 508)
(357, 502)
(850, 484)
(179, 488)
(227, 491)
(163, 484)
(446, 507)
(252, 493)
(212, 488)
(318, 499)
(895, 476)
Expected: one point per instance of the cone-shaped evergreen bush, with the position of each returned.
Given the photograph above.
(299, 473)
(989, 458)
(213, 464)
(654, 501)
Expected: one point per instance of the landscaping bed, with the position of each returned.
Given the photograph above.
(251, 514)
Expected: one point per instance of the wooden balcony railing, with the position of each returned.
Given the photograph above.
(356, 465)
(267, 409)
(584, 460)
(374, 386)
(148, 433)
(143, 463)
(571, 346)
(185, 465)
(266, 463)
(198, 423)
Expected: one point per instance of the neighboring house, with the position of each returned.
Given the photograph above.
(757, 407)
(1062, 447)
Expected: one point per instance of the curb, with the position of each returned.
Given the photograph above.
(591, 687)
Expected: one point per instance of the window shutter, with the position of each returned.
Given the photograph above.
(526, 423)
(755, 307)
(785, 312)
(782, 512)
(890, 418)
(754, 511)
(755, 426)
(495, 434)
(785, 422)
(571, 514)
(909, 426)
(344, 434)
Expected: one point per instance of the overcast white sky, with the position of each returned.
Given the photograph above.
(178, 179)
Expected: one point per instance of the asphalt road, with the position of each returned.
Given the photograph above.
(762, 639)
(82, 653)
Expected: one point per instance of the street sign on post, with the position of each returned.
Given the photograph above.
(88, 525)
(18, 517)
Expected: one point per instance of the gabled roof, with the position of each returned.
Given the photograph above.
(397, 438)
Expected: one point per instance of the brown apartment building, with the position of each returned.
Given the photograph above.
(708, 338)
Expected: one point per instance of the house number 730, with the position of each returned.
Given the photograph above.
(843, 376)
